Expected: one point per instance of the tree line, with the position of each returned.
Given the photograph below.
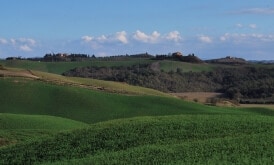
(239, 83)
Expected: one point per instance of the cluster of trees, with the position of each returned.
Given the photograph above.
(236, 83)
(66, 57)
(59, 57)
(179, 57)
(126, 57)
(228, 60)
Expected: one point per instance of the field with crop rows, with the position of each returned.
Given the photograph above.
(47, 118)
(243, 139)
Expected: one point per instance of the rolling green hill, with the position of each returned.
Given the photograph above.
(108, 86)
(61, 67)
(47, 118)
(190, 139)
(16, 121)
(16, 128)
(24, 96)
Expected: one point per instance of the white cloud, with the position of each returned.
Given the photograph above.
(25, 48)
(227, 36)
(87, 38)
(174, 35)
(20, 41)
(155, 35)
(142, 37)
(205, 39)
(246, 38)
(118, 36)
(222, 38)
(239, 25)
(13, 41)
(3, 41)
(102, 38)
(28, 41)
(122, 37)
(23, 44)
(252, 26)
(255, 11)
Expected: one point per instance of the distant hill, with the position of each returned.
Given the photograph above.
(262, 61)
(52, 119)
(238, 82)
(228, 60)
(178, 56)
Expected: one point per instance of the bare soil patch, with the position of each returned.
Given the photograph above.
(23, 73)
(270, 106)
(201, 97)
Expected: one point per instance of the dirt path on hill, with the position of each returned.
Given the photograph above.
(29, 74)
(23, 73)
(270, 106)
(201, 97)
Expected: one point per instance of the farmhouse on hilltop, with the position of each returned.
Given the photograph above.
(177, 54)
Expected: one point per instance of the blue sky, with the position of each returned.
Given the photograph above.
(209, 29)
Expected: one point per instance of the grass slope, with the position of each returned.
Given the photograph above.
(109, 86)
(61, 67)
(17, 121)
(182, 139)
(15, 128)
(23, 96)
(195, 134)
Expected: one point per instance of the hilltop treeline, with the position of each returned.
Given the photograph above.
(178, 56)
(65, 57)
(239, 83)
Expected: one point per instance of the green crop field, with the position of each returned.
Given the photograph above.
(62, 120)
(23, 96)
(182, 139)
(16, 121)
(17, 128)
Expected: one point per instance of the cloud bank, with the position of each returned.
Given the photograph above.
(23, 44)
(246, 45)
(138, 36)
(261, 11)
(14, 47)
(205, 39)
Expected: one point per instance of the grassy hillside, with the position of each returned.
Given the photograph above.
(16, 121)
(23, 96)
(15, 128)
(191, 139)
(44, 120)
(108, 86)
(61, 67)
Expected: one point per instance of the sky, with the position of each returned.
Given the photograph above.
(209, 29)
